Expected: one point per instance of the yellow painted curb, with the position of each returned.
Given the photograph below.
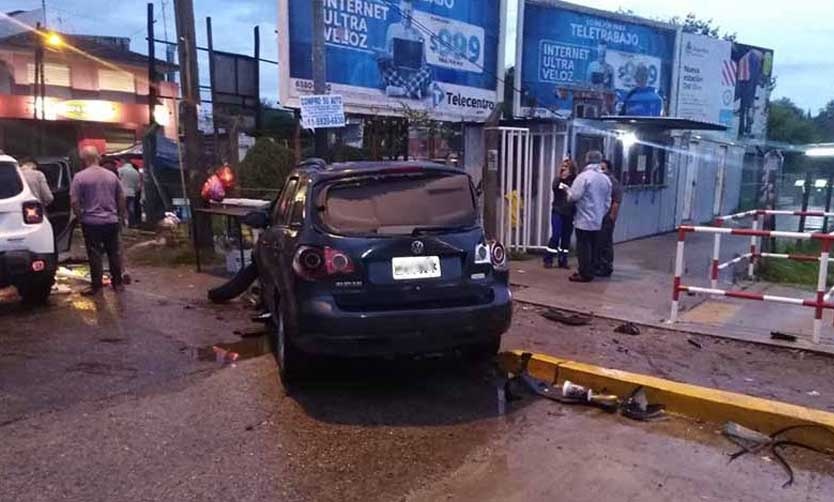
(700, 403)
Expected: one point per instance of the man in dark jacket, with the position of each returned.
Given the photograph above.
(561, 218)
(605, 246)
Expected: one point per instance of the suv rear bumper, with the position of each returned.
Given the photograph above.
(324, 329)
(16, 266)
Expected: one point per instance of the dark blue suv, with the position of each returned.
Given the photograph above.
(379, 259)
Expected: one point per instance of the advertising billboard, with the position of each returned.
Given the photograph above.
(383, 56)
(706, 80)
(753, 71)
(569, 54)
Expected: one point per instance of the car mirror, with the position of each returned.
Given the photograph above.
(256, 219)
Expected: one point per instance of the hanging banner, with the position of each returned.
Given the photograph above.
(571, 55)
(396, 56)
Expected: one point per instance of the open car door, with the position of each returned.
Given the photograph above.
(59, 176)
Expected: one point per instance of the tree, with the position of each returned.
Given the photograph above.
(824, 122)
(265, 168)
(692, 24)
(787, 123)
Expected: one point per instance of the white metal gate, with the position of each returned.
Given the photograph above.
(527, 165)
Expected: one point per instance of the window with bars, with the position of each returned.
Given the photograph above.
(54, 74)
(115, 80)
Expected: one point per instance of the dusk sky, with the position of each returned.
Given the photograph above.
(801, 32)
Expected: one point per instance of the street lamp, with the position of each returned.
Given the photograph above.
(54, 39)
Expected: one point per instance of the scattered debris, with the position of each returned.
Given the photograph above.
(637, 407)
(755, 442)
(694, 343)
(628, 329)
(785, 337)
(567, 318)
(813, 393)
(224, 356)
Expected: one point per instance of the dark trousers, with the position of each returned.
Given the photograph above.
(605, 248)
(132, 215)
(101, 239)
(561, 230)
(586, 243)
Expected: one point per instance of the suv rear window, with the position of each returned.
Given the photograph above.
(10, 182)
(395, 205)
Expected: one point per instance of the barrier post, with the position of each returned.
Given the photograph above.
(751, 268)
(822, 284)
(676, 284)
(716, 252)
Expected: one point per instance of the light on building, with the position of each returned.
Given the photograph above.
(820, 151)
(628, 139)
(54, 39)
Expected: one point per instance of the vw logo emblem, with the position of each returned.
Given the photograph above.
(417, 247)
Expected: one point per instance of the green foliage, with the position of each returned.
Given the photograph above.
(787, 123)
(795, 273)
(265, 168)
(691, 24)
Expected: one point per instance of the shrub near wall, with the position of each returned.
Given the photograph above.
(263, 172)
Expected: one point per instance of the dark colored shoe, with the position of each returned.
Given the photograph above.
(119, 288)
(579, 278)
(564, 265)
(604, 273)
(91, 292)
(548, 265)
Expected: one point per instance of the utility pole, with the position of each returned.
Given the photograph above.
(154, 205)
(190, 83)
(806, 196)
(258, 107)
(319, 69)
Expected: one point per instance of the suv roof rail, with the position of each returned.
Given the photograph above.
(313, 162)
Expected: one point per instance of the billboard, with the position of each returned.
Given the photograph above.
(706, 80)
(570, 54)
(435, 56)
(753, 72)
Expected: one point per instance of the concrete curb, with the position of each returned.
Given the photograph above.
(700, 403)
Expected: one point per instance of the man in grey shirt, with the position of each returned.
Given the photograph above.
(591, 191)
(98, 201)
(132, 185)
(37, 182)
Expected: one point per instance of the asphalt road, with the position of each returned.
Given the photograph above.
(123, 399)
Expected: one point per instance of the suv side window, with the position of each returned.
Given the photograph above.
(297, 205)
(279, 216)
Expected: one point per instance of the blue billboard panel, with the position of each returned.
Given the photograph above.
(436, 56)
(569, 53)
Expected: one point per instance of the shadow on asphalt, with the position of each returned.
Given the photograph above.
(402, 392)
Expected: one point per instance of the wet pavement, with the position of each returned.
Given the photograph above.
(137, 397)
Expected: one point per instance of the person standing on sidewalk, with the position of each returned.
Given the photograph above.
(591, 191)
(561, 218)
(132, 185)
(98, 202)
(605, 247)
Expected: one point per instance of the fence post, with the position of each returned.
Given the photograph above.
(676, 284)
(716, 254)
(751, 268)
(822, 285)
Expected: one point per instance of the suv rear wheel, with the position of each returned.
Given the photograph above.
(290, 360)
(36, 291)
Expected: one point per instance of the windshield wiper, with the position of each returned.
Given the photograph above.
(440, 229)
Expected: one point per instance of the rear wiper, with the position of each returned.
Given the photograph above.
(436, 229)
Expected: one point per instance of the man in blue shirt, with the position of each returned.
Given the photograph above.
(591, 191)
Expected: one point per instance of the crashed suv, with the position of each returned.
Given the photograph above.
(379, 259)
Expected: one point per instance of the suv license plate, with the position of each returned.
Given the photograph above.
(416, 267)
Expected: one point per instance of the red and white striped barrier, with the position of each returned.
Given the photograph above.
(819, 303)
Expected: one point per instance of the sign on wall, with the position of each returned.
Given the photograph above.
(706, 80)
(319, 111)
(568, 53)
(385, 56)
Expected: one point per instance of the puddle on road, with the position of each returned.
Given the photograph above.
(226, 353)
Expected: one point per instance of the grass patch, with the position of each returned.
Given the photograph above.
(791, 272)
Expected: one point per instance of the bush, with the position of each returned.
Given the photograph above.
(263, 172)
(340, 153)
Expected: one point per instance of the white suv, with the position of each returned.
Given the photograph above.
(28, 258)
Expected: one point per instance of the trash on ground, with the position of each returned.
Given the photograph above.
(813, 393)
(637, 407)
(785, 337)
(628, 329)
(694, 343)
(571, 319)
(225, 356)
(751, 441)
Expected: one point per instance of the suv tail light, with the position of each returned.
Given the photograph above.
(498, 254)
(32, 212)
(312, 263)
